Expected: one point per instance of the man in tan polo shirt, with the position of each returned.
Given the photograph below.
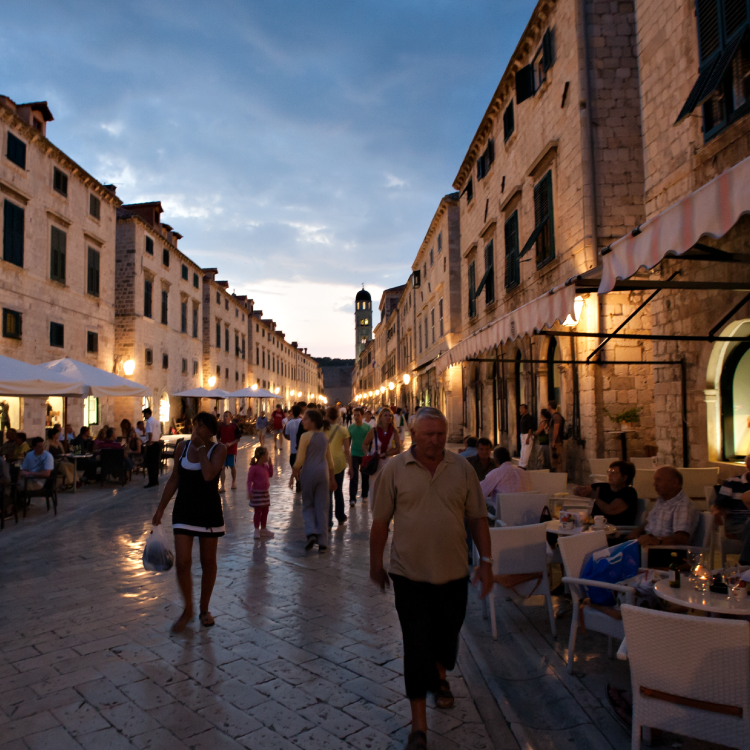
(429, 493)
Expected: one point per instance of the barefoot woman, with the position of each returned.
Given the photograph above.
(197, 512)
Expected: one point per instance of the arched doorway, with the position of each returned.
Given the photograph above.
(734, 389)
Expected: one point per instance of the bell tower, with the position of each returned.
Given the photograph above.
(362, 320)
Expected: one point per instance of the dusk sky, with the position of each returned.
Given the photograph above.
(300, 147)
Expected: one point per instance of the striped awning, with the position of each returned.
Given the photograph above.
(711, 210)
(542, 312)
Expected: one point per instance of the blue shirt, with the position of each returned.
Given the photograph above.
(42, 462)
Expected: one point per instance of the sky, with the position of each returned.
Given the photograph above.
(301, 147)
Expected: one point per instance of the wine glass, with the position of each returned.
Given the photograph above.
(702, 573)
(732, 578)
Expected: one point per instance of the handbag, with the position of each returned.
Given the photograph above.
(370, 463)
(546, 515)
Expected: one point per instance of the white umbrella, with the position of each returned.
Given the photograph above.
(197, 393)
(21, 379)
(96, 382)
(218, 393)
(254, 393)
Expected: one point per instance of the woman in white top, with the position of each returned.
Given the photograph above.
(384, 440)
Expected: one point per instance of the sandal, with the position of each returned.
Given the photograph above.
(417, 741)
(181, 622)
(206, 619)
(443, 696)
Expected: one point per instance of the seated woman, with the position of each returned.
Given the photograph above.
(617, 500)
(64, 467)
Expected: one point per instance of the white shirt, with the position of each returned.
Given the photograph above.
(342, 411)
(506, 478)
(154, 428)
(290, 430)
(668, 517)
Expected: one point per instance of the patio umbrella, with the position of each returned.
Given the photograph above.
(254, 393)
(196, 393)
(21, 379)
(96, 382)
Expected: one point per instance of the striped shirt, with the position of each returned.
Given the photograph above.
(670, 516)
(730, 500)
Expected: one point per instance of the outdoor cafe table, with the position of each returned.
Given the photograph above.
(554, 528)
(75, 457)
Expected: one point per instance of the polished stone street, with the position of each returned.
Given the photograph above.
(305, 651)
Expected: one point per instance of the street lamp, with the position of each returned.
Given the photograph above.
(382, 389)
(128, 367)
(299, 394)
(212, 381)
(391, 386)
(254, 386)
(577, 310)
(278, 390)
(407, 378)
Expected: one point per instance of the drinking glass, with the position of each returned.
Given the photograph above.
(732, 577)
(702, 573)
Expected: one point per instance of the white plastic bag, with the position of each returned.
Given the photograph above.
(157, 556)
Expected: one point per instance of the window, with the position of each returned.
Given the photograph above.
(195, 367)
(489, 273)
(531, 77)
(195, 322)
(58, 242)
(218, 371)
(440, 315)
(195, 280)
(236, 313)
(149, 246)
(218, 298)
(440, 243)
(236, 375)
(184, 367)
(95, 206)
(419, 338)
(509, 123)
(91, 411)
(92, 342)
(92, 272)
(218, 334)
(183, 317)
(56, 334)
(545, 243)
(164, 361)
(263, 359)
(149, 357)
(226, 304)
(226, 339)
(60, 182)
(185, 272)
(432, 323)
(148, 289)
(484, 162)
(165, 256)
(472, 290)
(512, 265)
(13, 234)
(469, 190)
(11, 324)
(16, 151)
(432, 258)
(257, 356)
(164, 307)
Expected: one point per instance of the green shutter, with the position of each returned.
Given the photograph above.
(93, 272)
(512, 265)
(58, 242)
(472, 290)
(13, 221)
(489, 273)
(16, 151)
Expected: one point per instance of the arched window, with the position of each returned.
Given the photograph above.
(735, 402)
(554, 382)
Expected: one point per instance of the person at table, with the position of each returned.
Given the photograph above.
(21, 446)
(8, 448)
(65, 467)
(37, 466)
(674, 518)
(83, 440)
(470, 447)
(483, 463)
(69, 434)
(506, 478)
(526, 428)
(615, 499)
(731, 509)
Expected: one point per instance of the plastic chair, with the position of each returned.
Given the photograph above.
(548, 483)
(520, 508)
(520, 552)
(574, 551)
(690, 675)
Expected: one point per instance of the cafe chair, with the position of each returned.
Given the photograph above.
(690, 675)
(520, 508)
(520, 565)
(548, 483)
(167, 451)
(606, 620)
(702, 543)
(48, 491)
(112, 463)
(9, 496)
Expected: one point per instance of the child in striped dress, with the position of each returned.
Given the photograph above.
(261, 470)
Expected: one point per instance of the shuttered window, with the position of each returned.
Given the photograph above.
(164, 307)
(164, 361)
(58, 242)
(509, 121)
(11, 324)
(60, 182)
(484, 162)
(56, 334)
(543, 217)
(218, 335)
(489, 273)
(512, 265)
(165, 257)
(195, 322)
(440, 315)
(149, 246)
(226, 339)
(185, 273)
(195, 280)
(13, 220)
(148, 290)
(472, 290)
(183, 317)
(92, 342)
(92, 274)
(95, 206)
(16, 151)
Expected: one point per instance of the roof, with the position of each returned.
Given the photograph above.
(362, 294)
(40, 107)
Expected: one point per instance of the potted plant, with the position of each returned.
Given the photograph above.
(630, 417)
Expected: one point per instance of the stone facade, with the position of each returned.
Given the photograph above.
(58, 261)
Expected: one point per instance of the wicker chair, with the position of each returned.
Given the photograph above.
(112, 463)
(48, 491)
(690, 675)
(520, 508)
(574, 551)
(520, 555)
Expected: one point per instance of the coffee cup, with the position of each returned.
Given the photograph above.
(599, 522)
(568, 525)
(739, 593)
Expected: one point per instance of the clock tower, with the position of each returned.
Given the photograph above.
(362, 320)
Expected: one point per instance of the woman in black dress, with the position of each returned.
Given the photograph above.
(197, 512)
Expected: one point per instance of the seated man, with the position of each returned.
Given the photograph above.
(483, 462)
(506, 478)
(674, 518)
(470, 447)
(8, 448)
(22, 447)
(616, 500)
(83, 440)
(732, 509)
(37, 465)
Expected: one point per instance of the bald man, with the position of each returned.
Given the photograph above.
(674, 517)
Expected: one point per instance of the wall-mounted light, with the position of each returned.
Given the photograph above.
(299, 394)
(278, 390)
(212, 381)
(254, 386)
(370, 394)
(382, 389)
(391, 385)
(407, 378)
(128, 367)
(577, 310)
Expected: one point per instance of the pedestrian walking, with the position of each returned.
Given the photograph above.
(400, 423)
(339, 442)
(542, 436)
(277, 426)
(383, 440)
(526, 436)
(429, 493)
(314, 467)
(229, 435)
(152, 430)
(261, 425)
(197, 512)
(258, 476)
(290, 433)
(556, 437)
(358, 432)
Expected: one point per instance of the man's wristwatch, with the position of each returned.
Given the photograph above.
(487, 560)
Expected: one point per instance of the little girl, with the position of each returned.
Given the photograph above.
(261, 470)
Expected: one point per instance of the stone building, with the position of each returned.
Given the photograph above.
(58, 262)
(362, 320)
(159, 321)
